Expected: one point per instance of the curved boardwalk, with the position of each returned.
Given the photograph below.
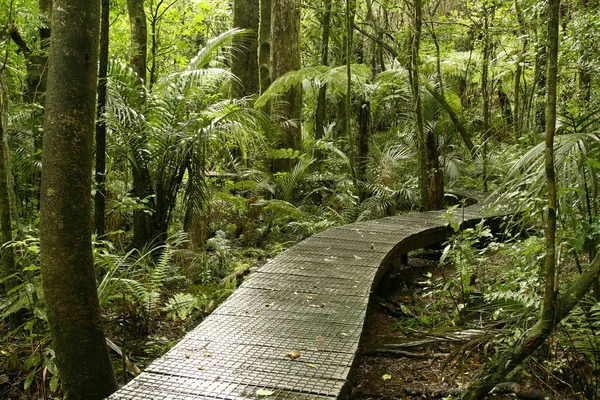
(311, 300)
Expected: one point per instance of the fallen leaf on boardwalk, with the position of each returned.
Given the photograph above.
(312, 349)
(293, 354)
(319, 339)
(207, 354)
(310, 365)
(201, 368)
(357, 257)
(264, 392)
(317, 305)
(386, 377)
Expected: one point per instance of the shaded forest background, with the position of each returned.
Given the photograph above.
(227, 131)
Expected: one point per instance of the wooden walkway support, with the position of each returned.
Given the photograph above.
(292, 329)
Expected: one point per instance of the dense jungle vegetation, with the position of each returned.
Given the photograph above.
(226, 131)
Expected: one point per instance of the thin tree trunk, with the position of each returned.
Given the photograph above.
(486, 95)
(364, 132)
(550, 293)
(321, 111)
(7, 255)
(519, 70)
(100, 196)
(12, 196)
(416, 92)
(244, 60)
(554, 308)
(264, 45)
(67, 267)
(540, 77)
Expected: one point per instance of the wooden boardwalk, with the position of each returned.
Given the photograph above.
(292, 329)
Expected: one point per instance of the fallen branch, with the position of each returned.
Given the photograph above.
(404, 353)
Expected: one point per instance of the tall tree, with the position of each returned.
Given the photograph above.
(264, 45)
(416, 93)
(139, 37)
(65, 228)
(321, 110)
(142, 183)
(100, 196)
(7, 255)
(285, 57)
(244, 62)
(485, 92)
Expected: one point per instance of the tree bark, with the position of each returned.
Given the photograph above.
(6, 253)
(518, 117)
(321, 111)
(139, 37)
(285, 57)
(244, 60)
(485, 93)
(100, 196)
(540, 76)
(264, 45)
(416, 93)
(142, 182)
(65, 227)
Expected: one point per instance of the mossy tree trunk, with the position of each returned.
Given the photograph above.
(142, 182)
(285, 57)
(554, 307)
(65, 227)
(244, 60)
(416, 94)
(6, 253)
(264, 45)
(321, 111)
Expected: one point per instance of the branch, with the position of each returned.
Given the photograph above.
(15, 35)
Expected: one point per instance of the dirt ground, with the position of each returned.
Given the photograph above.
(417, 370)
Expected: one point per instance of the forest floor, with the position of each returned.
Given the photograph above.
(403, 355)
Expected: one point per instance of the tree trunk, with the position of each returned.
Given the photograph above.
(142, 182)
(485, 94)
(540, 77)
(321, 111)
(364, 131)
(416, 93)
(264, 45)
(285, 57)
(518, 117)
(65, 228)
(100, 196)
(139, 37)
(551, 289)
(244, 60)
(7, 255)
(554, 308)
